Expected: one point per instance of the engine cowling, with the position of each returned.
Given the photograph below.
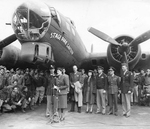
(114, 53)
(9, 56)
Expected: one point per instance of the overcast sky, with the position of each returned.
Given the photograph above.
(113, 17)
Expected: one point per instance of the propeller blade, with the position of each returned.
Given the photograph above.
(142, 38)
(8, 40)
(124, 58)
(102, 36)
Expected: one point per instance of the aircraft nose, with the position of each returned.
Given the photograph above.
(31, 21)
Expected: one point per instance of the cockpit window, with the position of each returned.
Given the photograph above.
(55, 15)
(31, 22)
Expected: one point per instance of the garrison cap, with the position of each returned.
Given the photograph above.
(7, 71)
(111, 69)
(100, 67)
(135, 70)
(17, 69)
(90, 71)
(2, 67)
(59, 69)
(124, 64)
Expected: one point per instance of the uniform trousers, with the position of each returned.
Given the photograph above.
(39, 94)
(1, 103)
(139, 94)
(100, 98)
(113, 102)
(134, 94)
(126, 99)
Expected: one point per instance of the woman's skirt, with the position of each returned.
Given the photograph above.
(62, 101)
(89, 96)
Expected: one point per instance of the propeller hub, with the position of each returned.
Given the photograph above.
(124, 48)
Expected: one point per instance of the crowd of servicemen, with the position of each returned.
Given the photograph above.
(20, 89)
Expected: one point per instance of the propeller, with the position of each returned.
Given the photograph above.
(7, 41)
(123, 47)
(103, 36)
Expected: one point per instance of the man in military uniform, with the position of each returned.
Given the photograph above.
(2, 77)
(101, 85)
(126, 88)
(134, 95)
(76, 97)
(50, 92)
(17, 99)
(113, 85)
(27, 81)
(40, 88)
(141, 84)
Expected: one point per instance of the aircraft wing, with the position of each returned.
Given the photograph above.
(94, 60)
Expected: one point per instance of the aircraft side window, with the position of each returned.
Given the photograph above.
(143, 56)
(71, 22)
(68, 26)
(94, 62)
(47, 51)
(73, 31)
(36, 50)
(52, 56)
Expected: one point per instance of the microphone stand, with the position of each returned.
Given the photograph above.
(55, 118)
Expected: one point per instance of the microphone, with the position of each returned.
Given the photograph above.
(56, 88)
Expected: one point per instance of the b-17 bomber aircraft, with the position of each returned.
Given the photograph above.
(47, 37)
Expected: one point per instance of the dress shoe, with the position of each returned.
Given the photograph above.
(91, 112)
(87, 111)
(116, 114)
(62, 118)
(47, 115)
(71, 111)
(23, 110)
(97, 112)
(109, 113)
(32, 108)
(79, 109)
(124, 114)
(127, 116)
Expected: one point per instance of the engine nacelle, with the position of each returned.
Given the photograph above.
(37, 53)
(9, 56)
(114, 53)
